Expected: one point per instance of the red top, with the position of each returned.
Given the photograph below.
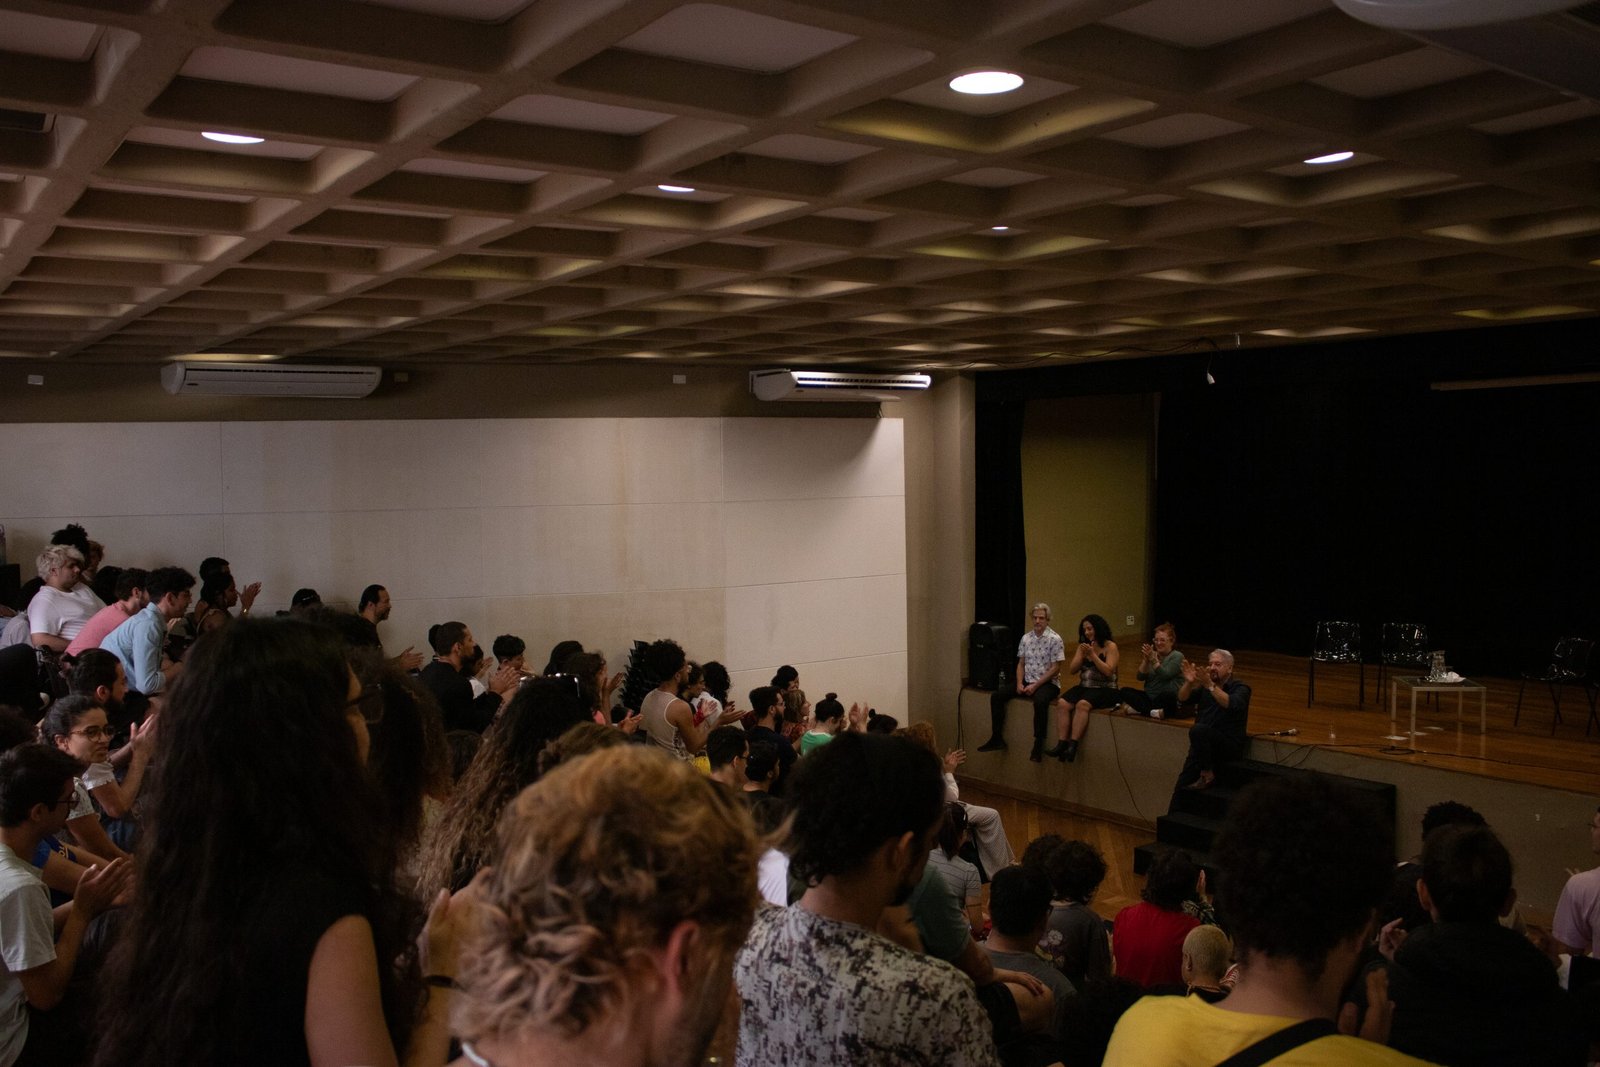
(1147, 942)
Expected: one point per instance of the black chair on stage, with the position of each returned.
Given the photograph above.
(1336, 642)
(1401, 644)
(1569, 665)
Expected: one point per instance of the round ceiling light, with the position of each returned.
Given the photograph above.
(676, 188)
(232, 138)
(1331, 157)
(986, 82)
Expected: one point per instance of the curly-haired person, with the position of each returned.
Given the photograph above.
(1302, 867)
(601, 939)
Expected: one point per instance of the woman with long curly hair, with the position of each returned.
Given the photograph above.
(1095, 664)
(508, 761)
(265, 921)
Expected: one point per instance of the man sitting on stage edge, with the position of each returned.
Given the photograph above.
(1039, 657)
(1218, 734)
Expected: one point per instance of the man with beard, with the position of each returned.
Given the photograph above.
(1219, 731)
(374, 606)
(817, 984)
(584, 957)
(455, 648)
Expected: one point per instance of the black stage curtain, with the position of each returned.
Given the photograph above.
(1002, 554)
(1331, 481)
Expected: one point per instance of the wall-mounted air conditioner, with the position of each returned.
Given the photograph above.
(202, 378)
(837, 386)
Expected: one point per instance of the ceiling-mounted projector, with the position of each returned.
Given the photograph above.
(205, 378)
(837, 386)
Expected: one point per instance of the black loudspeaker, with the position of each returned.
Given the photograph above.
(991, 651)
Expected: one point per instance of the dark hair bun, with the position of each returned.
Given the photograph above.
(831, 696)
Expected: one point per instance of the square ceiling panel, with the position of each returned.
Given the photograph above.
(298, 75)
(730, 37)
(1194, 24)
(436, 163)
(1172, 130)
(566, 113)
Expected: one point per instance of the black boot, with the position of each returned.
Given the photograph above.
(1038, 750)
(1071, 753)
(994, 744)
(1060, 751)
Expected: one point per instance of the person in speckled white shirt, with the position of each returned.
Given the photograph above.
(1040, 654)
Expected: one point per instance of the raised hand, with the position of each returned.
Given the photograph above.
(505, 679)
(953, 759)
(248, 594)
(100, 888)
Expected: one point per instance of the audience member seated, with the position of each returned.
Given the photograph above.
(454, 648)
(580, 739)
(76, 726)
(265, 921)
(582, 956)
(1147, 939)
(1402, 902)
(513, 650)
(785, 678)
(760, 772)
(62, 606)
(713, 697)
(1467, 992)
(1075, 936)
(1207, 955)
(1040, 654)
(1220, 722)
(218, 596)
(1161, 671)
(507, 762)
(304, 601)
(1303, 865)
(960, 877)
(374, 605)
(1577, 921)
(559, 656)
(36, 1027)
(884, 724)
(766, 717)
(1019, 906)
(1095, 664)
(90, 552)
(994, 848)
(130, 599)
(728, 752)
(818, 986)
(140, 643)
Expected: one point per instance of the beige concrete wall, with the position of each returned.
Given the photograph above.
(939, 546)
(1088, 476)
(601, 503)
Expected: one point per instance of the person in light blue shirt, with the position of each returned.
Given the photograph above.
(139, 642)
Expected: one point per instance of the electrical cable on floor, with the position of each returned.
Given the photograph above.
(1116, 750)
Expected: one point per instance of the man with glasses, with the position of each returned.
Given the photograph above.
(728, 750)
(36, 795)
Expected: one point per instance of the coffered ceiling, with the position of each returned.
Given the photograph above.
(478, 180)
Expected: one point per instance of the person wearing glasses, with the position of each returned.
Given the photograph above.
(36, 795)
(77, 726)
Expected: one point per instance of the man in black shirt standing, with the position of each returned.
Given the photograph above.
(453, 645)
(766, 710)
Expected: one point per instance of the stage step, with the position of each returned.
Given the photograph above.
(1192, 832)
(1196, 815)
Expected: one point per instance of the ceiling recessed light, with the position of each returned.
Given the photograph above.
(676, 188)
(1331, 157)
(232, 138)
(986, 82)
(999, 229)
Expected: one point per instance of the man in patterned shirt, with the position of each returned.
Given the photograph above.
(817, 985)
(1039, 658)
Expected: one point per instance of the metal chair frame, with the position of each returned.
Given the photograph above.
(1335, 641)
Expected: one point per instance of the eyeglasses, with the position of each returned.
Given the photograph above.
(69, 799)
(93, 733)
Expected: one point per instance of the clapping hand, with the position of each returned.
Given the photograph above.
(1190, 674)
(953, 759)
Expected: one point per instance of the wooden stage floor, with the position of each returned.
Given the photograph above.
(1526, 753)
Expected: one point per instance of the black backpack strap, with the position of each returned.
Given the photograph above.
(1272, 1046)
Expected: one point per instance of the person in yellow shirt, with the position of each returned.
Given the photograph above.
(1303, 866)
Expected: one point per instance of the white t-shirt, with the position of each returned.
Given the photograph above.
(62, 614)
(27, 940)
(98, 775)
